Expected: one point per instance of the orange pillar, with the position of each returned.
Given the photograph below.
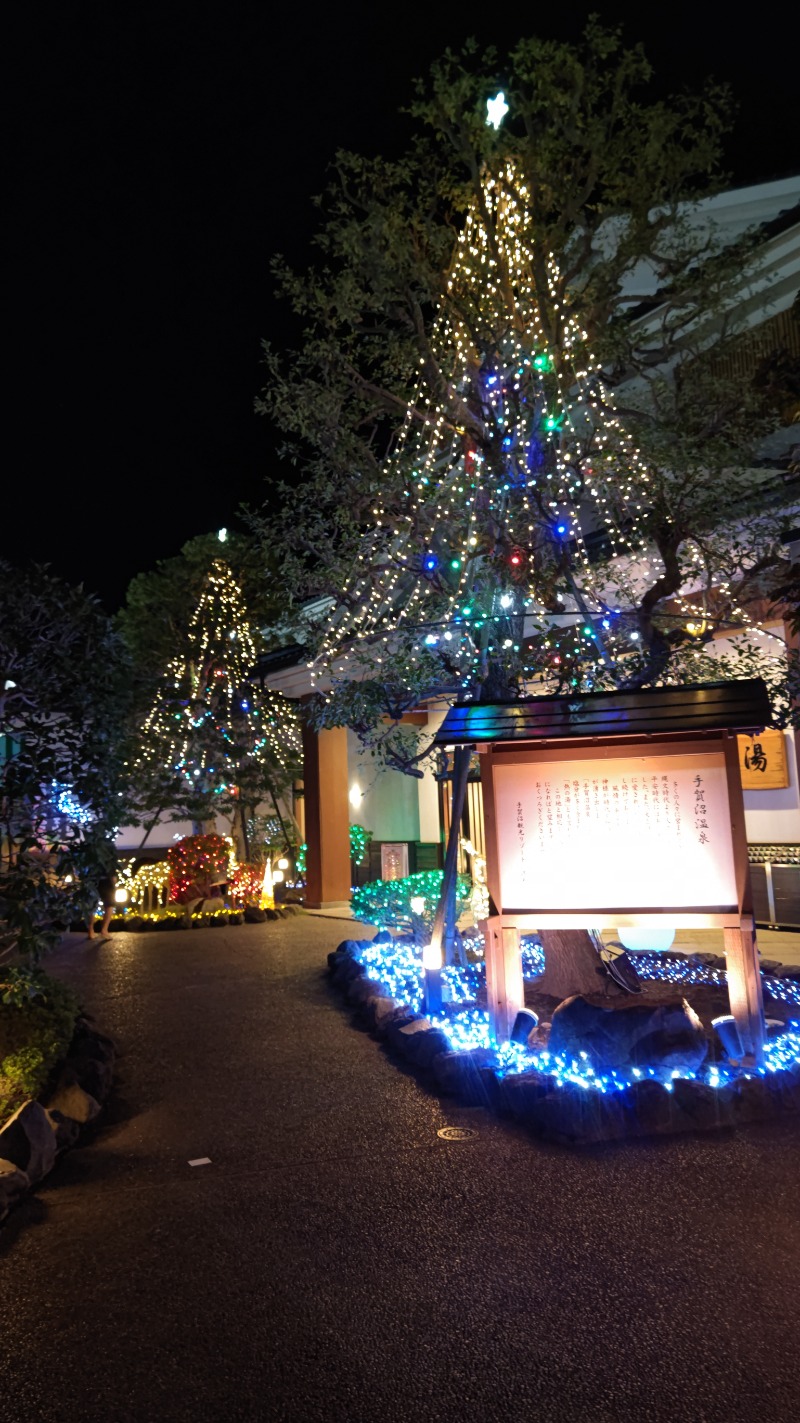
(327, 817)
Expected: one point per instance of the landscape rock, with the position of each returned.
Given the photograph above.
(66, 1129)
(70, 1099)
(360, 988)
(254, 915)
(28, 1140)
(92, 1074)
(464, 1074)
(708, 1108)
(709, 960)
(349, 969)
(628, 1035)
(14, 1183)
(383, 1010)
(402, 1030)
(575, 1118)
(425, 1046)
(648, 1108)
(783, 1090)
(519, 1093)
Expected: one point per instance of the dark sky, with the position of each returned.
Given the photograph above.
(160, 154)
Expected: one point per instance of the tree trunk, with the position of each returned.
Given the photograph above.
(572, 965)
(245, 836)
(443, 932)
(151, 827)
(286, 843)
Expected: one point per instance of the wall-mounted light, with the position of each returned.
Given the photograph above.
(355, 797)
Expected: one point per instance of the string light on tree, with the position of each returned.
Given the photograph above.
(218, 744)
(512, 480)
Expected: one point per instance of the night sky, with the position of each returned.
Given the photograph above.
(160, 154)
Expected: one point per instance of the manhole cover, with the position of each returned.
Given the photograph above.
(456, 1133)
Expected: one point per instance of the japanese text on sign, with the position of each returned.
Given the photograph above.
(646, 832)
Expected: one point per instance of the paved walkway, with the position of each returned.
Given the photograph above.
(339, 1261)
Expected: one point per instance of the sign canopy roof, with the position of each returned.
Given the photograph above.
(714, 706)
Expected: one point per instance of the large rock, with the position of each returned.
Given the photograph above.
(254, 915)
(707, 1108)
(649, 1109)
(424, 1047)
(13, 1186)
(465, 1074)
(28, 1141)
(360, 988)
(66, 1129)
(71, 1100)
(384, 1011)
(575, 1117)
(404, 1028)
(628, 1035)
(91, 1063)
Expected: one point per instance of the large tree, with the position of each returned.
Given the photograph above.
(482, 513)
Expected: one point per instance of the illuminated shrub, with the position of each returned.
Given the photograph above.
(388, 903)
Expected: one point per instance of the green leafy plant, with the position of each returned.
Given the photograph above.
(37, 1023)
(388, 903)
(359, 843)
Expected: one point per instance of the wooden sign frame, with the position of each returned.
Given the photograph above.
(502, 929)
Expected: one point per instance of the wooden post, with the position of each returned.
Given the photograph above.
(744, 988)
(505, 989)
(741, 948)
(327, 818)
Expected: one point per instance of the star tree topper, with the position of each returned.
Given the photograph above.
(496, 109)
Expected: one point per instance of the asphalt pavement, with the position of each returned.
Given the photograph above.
(338, 1260)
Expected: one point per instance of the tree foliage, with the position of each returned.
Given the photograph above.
(159, 603)
(63, 692)
(511, 258)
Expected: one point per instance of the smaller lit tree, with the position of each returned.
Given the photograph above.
(212, 743)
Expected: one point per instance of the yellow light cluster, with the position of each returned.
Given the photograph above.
(155, 876)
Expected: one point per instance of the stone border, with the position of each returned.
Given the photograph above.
(565, 1115)
(35, 1136)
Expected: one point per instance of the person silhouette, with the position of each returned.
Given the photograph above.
(106, 886)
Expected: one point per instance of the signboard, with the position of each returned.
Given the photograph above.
(394, 861)
(619, 832)
(762, 761)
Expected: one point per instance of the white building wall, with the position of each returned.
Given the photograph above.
(164, 834)
(388, 804)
